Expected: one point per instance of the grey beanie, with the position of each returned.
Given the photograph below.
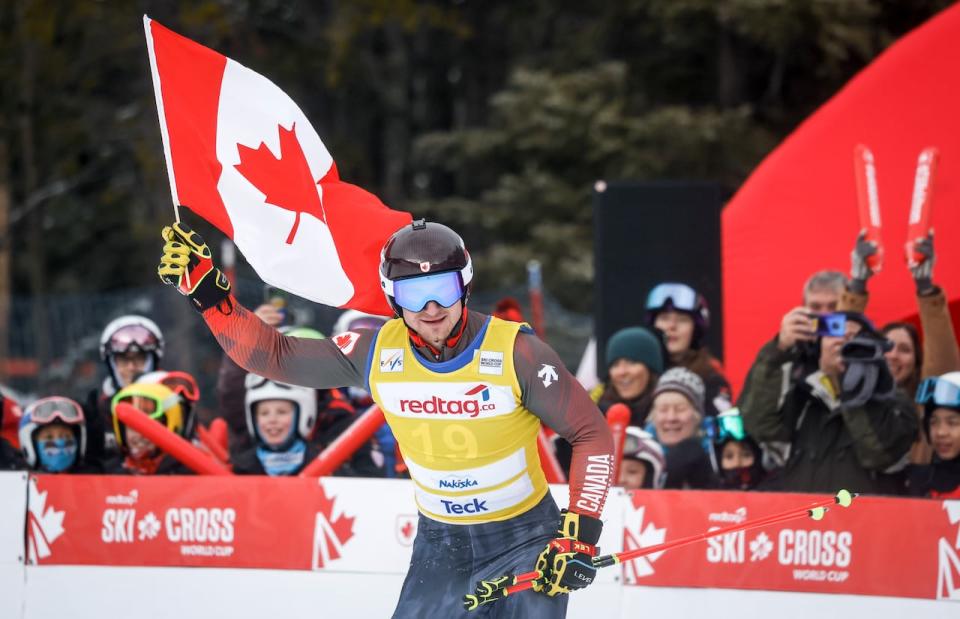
(685, 382)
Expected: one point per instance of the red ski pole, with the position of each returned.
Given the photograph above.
(491, 590)
(921, 204)
(868, 198)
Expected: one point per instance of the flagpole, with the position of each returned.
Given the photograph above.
(164, 135)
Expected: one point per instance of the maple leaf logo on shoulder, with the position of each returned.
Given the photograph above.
(346, 341)
(329, 534)
(286, 181)
(44, 524)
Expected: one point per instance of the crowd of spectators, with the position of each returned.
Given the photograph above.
(830, 402)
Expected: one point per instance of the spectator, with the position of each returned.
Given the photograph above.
(681, 314)
(10, 458)
(738, 455)
(139, 455)
(53, 436)
(905, 358)
(129, 346)
(676, 415)
(844, 423)
(940, 355)
(940, 399)
(634, 359)
(794, 346)
(643, 465)
(187, 390)
(280, 419)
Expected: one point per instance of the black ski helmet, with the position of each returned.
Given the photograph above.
(423, 248)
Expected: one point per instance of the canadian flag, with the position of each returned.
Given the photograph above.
(242, 155)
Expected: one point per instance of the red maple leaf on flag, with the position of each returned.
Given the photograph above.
(407, 529)
(285, 182)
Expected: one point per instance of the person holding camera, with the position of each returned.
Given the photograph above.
(844, 421)
(908, 363)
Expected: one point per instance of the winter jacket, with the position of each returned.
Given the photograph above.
(831, 445)
(939, 479)
(940, 351)
(10, 458)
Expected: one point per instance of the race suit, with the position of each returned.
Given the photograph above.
(466, 419)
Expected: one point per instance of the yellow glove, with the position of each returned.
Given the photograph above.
(188, 264)
(566, 561)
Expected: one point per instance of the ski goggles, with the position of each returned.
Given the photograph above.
(152, 406)
(255, 381)
(939, 392)
(132, 337)
(414, 293)
(730, 426)
(680, 296)
(182, 384)
(48, 410)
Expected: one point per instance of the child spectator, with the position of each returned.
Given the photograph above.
(643, 465)
(280, 419)
(738, 455)
(53, 437)
(681, 314)
(676, 416)
(138, 455)
(940, 399)
(129, 346)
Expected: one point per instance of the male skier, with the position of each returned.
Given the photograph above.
(464, 394)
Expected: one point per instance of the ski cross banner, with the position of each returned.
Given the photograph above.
(879, 546)
(243, 156)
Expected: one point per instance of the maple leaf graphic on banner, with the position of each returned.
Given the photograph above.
(45, 524)
(285, 182)
(329, 534)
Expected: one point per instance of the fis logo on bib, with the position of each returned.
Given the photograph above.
(457, 483)
(461, 406)
(391, 360)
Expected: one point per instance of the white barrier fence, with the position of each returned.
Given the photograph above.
(350, 583)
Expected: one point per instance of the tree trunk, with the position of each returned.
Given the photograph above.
(396, 133)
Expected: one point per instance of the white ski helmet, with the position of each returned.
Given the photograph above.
(131, 333)
(303, 398)
(45, 411)
(640, 445)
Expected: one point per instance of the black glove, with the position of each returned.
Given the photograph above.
(188, 264)
(867, 376)
(860, 271)
(566, 561)
(922, 271)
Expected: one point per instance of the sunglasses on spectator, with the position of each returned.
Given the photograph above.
(50, 409)
(728, 425)
(680, 296)
(939, 392)
(414, 293)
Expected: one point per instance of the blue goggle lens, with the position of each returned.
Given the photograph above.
(680, 296)
(413, 294)
(940, 392)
